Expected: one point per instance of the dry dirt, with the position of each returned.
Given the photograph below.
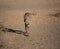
(44, 31)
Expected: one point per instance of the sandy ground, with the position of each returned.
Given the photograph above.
(44, 31)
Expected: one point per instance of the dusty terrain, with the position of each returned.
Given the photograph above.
(44, 30)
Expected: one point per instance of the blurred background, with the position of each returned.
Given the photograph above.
(44, 30)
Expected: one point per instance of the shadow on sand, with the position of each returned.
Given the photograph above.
(4, 29)
(15, 31)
